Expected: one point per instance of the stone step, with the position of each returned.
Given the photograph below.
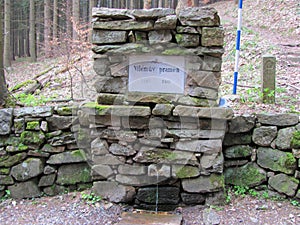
(148, 218)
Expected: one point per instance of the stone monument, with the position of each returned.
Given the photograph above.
(157, 128)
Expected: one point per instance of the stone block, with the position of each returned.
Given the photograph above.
(6, 180)
(162, 109)
(186, 30)
(110, 85)
(211, 63)
(123, 25)
(249, 175)
(212, 163)
(204, 79)
(185, 171)
(101, 65)
(241, 124)
(132, 169)
(282, 120)
(200, 146)
(192, 198)
(276, 160)
(47, 180)
(59, 122)
(159, 36)
(118, 149)
(109, 37)
(212, 36)
(6, 117)
(204, 184)
(211, 113)
(19, 125)
(104, 171)
(284, 138)
(237, 139)
(76, 156)
(166, 23)
(188, 40)
(284, 184)
(159, 155)
(28, 189)
(167, 195)
(204, 94)
(28, 169)
(8, 161)
(153, 13)
(73, 174)
(238, 151)
(199, 17)
(113, 191)
(264, 135)
(42, 111)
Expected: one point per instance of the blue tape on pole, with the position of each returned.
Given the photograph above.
(238, 45)
(238, 40)
(235, 82)
(240, 4)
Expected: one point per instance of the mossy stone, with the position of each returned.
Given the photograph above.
(4, 171)
(33, 125)
(248, 175)
(185, 171)
(295, 142)
(32, 138)
(8, 161)
(73, 174)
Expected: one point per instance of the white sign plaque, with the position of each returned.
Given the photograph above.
(156, 74)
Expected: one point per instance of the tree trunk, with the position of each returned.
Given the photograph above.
(76, 18)
(32, 42)
(147, 4)
(55, 20)
(91, 5)
(7, 50)
(69, 18)
(47, 26)
(122, 4)
(3, 87)
(183, 4)
(160, 3)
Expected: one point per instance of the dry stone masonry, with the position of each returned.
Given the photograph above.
(42, 152)
(155, 128)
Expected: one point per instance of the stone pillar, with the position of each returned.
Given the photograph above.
(268, 78)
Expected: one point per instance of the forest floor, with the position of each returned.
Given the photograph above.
(269, 28)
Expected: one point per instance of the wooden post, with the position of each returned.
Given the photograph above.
(268, 79)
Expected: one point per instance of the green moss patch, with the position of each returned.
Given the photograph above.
(295, 141)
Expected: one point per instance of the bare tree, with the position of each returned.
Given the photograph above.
(55, 20)
(76, 18)
(47, 26)
(7, 49)
(32, 31)
(68, 18)
(3, 87)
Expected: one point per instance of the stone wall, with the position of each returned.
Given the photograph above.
(39, 153)
(50, 150)
(263, 152)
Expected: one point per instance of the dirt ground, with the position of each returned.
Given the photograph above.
(72, 209)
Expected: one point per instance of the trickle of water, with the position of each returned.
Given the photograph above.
(156, 200)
